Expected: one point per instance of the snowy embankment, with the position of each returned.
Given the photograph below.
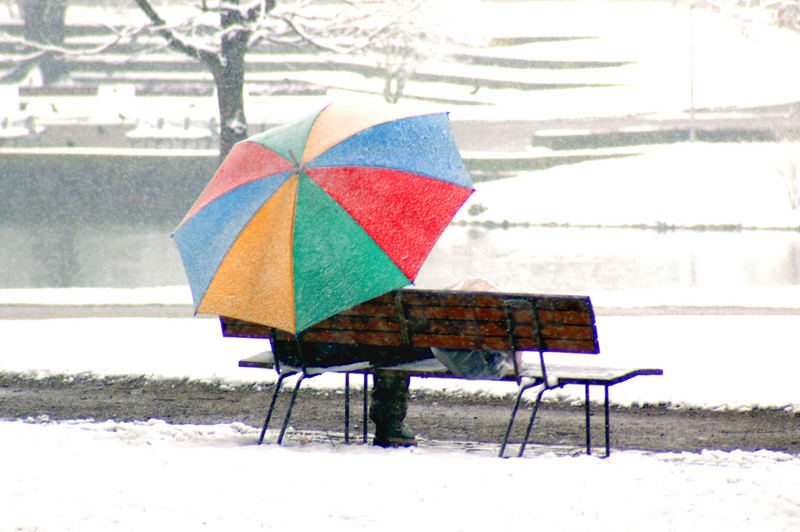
(687, 185)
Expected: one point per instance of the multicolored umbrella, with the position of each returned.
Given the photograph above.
(313, 217)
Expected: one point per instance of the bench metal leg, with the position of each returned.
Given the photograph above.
(608, 427)
(511, 419)
(285, 425)
(347, 407)
(606, 421)
(291, 406)
(365, 407)
(588, 409)
(510, 424)
(530, 423)
(272, 404)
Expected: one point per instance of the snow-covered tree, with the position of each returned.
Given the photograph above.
(44, 24)
(220, 33)
(395, 34)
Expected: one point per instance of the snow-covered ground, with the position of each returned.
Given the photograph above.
(83, 475)
(139, 476)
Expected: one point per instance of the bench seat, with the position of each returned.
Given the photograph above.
(559, 375)
(431, 367)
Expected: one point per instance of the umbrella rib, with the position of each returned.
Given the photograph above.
(294, 159)
(293, 217)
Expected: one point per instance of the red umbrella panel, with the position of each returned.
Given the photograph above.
(313, 217)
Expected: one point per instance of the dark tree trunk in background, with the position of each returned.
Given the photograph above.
(227, 66)
(44, 23)
(229, 79)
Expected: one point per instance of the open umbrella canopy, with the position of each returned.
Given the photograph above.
(313, 217)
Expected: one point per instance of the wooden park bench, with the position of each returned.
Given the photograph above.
(412, 319)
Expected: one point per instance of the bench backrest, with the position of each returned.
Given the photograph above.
(450, 320)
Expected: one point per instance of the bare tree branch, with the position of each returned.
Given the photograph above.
(174, 41)
(359, 25)
(41, 48)
(250, 11)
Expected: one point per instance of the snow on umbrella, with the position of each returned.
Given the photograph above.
(313, 217)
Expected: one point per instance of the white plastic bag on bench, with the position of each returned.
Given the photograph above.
(475, 363)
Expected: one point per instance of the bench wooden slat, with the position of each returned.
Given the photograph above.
(455, 313)
(568, 332)
(371, 308)
(352, 337)
(429, 298)
(586, 347)
(566, 317)
(491, 299)
(232, 327)
(466, 328)
(502, 344)
(461, 342)
(359, 323)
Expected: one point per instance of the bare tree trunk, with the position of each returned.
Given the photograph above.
(394, 84)
(44, 23)
(229, 79)
(227, 67)
(230, 99)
